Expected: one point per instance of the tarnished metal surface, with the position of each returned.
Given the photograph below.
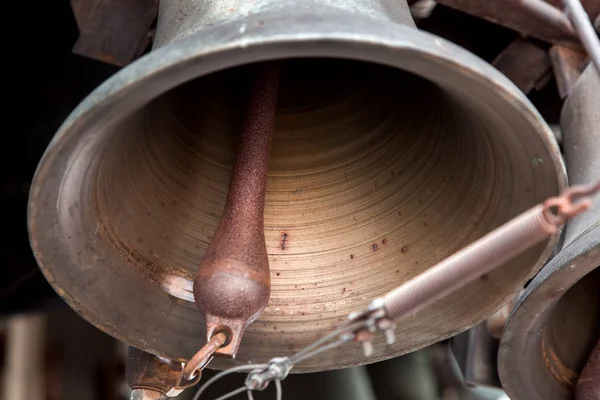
(588, 385)
(145, 394)
(152, 377)
(476, 353)
(580, 121)
(568, 64)
(179, 19)
(233, 285)
(392, 150)
(495, 324)
(554, 327)
(115, 32)
(555, 324)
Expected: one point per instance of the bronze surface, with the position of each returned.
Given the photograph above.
(392, 149)
(555, 325)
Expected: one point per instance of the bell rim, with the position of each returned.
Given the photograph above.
(578, 259)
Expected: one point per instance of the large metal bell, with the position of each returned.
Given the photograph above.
(550, 334)
(392, 149)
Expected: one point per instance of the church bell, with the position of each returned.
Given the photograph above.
(391, 149)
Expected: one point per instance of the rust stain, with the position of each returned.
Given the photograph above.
(147, 267)
(284, 241)
(384, 241)
(563, 375)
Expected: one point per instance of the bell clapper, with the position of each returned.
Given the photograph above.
(477, 259)
(232, 285)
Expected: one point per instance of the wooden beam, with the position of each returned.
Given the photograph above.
(514, 15)
(568, 65)
(524, 63)
(114, 31)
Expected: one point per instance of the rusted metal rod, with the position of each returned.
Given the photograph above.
(549, 13)
(203, 356)
(232, 285)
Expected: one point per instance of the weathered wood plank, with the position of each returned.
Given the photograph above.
(568, 65)
(114, 31)
(524, 63)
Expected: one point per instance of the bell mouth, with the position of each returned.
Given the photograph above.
(554, 326)
(376, 173)
(365, 186)
(566, 351)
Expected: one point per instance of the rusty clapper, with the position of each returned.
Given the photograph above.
(233, 285)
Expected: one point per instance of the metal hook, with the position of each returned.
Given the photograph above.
(571, 203)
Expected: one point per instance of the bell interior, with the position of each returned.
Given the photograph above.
(375, 175)
(572, 330)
